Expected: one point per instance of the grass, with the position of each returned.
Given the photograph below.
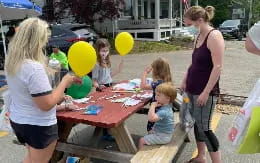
(153, 47)
(148, 47)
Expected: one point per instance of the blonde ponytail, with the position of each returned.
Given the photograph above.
(196, 12)
(210, 12)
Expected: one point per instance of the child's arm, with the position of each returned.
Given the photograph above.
(143, 85)
(119, 69)
(95, 83)
(152, 116)
(95, 75)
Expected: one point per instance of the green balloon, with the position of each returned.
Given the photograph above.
(78, 91)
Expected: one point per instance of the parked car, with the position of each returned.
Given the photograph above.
(234, 28)
(64, 35)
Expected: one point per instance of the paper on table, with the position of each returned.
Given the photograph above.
(82, 100)
(131, 102)
(120, 100)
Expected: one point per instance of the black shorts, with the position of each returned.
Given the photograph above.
(38, 137)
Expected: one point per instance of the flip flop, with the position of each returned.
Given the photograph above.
(194, 161)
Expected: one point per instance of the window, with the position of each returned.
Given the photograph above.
(128, 8)
(145, 35)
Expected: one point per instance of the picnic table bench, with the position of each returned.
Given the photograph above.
(164, 153)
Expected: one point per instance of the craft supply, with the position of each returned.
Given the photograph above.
(73, 159)
(78, 109)
(82, 100)
(120, 100)
(114, 96)
(100, 98)
(93, 109)
(127, 91)
(131, 102)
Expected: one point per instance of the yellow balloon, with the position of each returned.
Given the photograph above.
(82, 58)
(124, 43)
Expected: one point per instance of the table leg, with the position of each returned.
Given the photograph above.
(64, 132)
(98, 132)
(123, 139)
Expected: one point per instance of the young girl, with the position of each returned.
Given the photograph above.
(163, 118)
(160, 73)
(102, 74)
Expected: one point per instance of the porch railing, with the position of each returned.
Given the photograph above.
(137, 24)
(145, 23)
(167, 23)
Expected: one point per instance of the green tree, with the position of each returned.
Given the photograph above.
(223, 10)
(256, 11)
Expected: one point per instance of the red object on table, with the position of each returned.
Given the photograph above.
(112, 114)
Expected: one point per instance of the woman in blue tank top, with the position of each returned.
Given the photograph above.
(201, 81)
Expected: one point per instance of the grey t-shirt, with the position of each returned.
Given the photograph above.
(165, 124)
(102, 74)
(254, 34)
(30, 81)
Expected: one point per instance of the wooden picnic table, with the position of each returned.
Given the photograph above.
(112, 117)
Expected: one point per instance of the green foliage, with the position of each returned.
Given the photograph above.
(256, 11)
(182, 42)
(223, 10)
(148, 47)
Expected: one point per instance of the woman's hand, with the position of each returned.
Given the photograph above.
(69, 79)
(183, 85)
(202, 99)
(72, 106)
(68, 98)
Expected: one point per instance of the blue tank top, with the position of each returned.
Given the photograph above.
(154, 84)
(200, 70)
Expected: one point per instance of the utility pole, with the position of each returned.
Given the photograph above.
(196, 2)
(181, 15)
(250, 13)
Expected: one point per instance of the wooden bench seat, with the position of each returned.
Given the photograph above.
(162, 153)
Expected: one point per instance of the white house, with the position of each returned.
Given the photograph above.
(146, 19)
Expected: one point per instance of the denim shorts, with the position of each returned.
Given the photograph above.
(157, 138)
(38, 137)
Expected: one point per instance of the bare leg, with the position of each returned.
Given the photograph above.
(42, 155)
(141, 143)
(201, 151)
(201, 157)
(27, 158)
(215, 156)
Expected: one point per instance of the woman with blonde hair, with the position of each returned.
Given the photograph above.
(201, 81)
(33, 111)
